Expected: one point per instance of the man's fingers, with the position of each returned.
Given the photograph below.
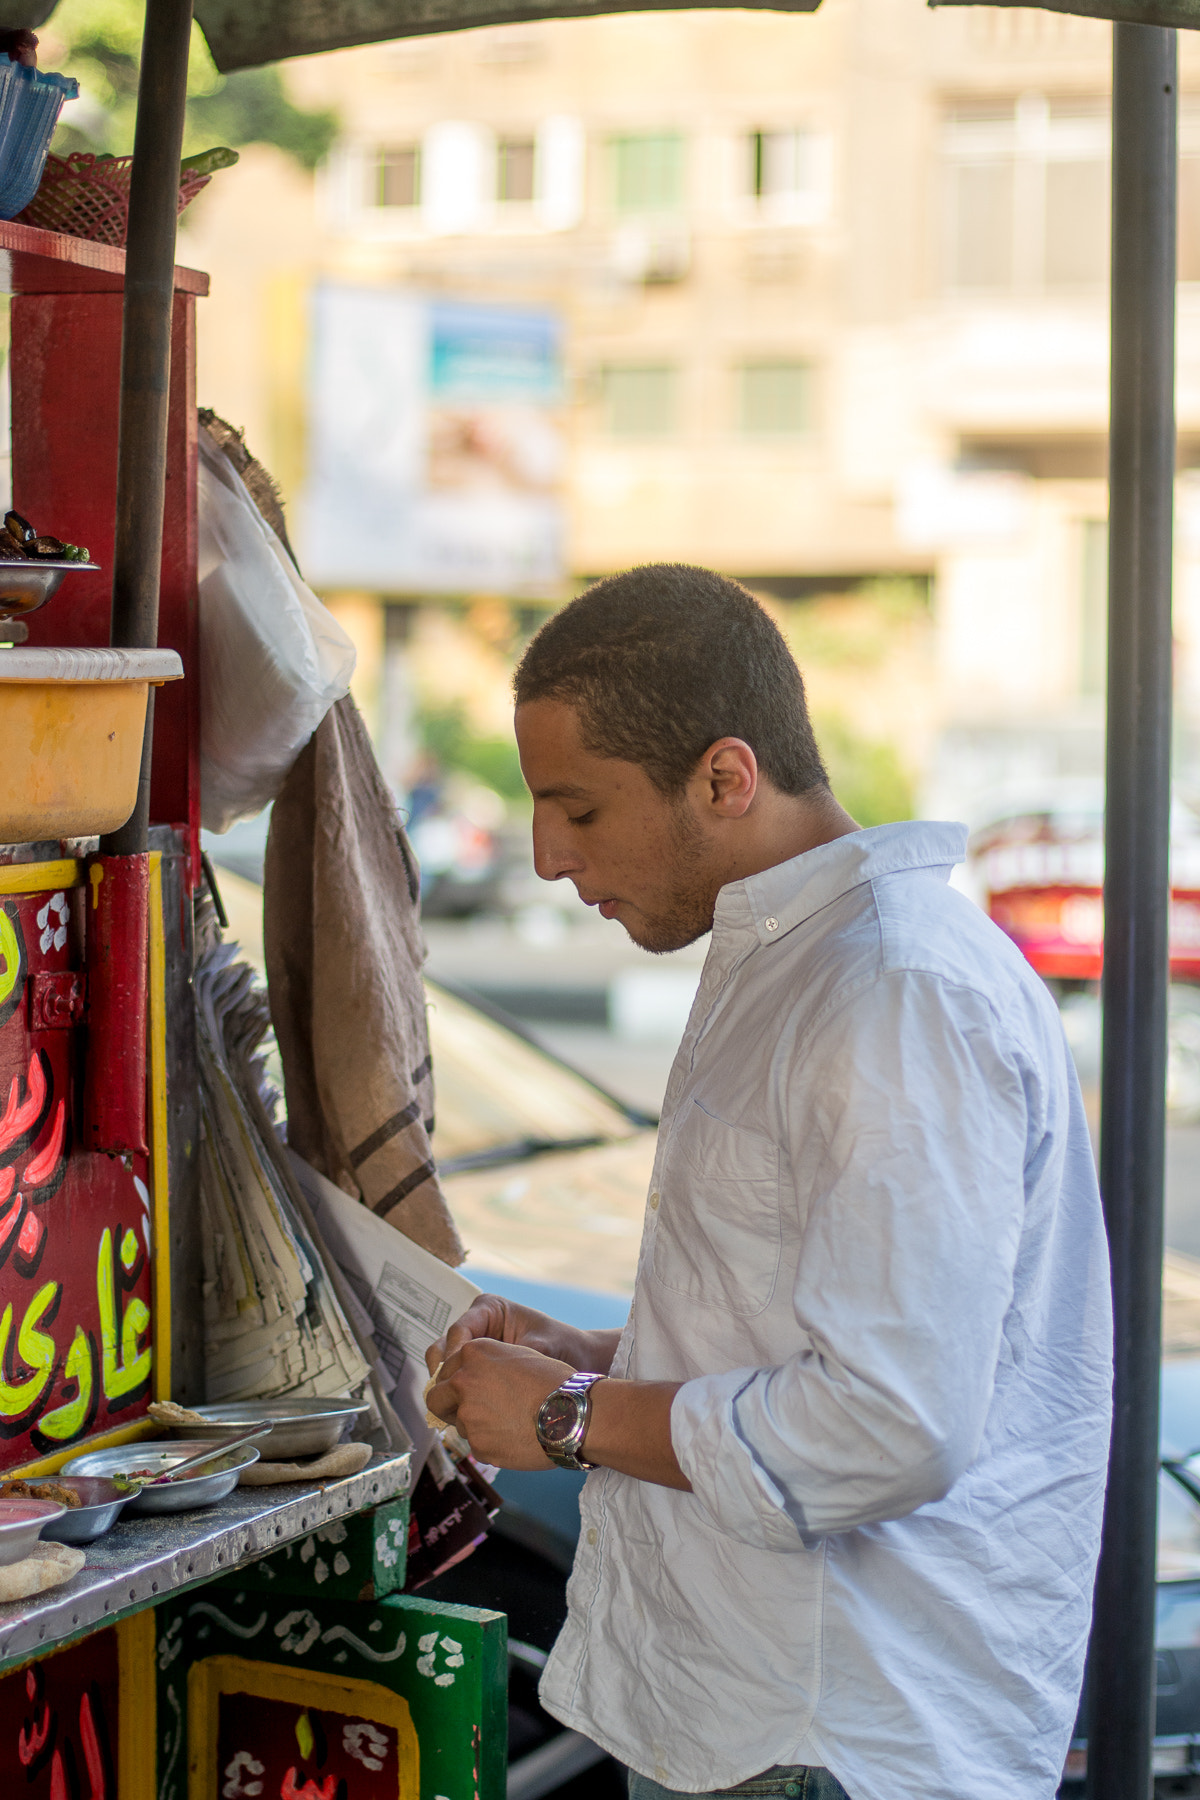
(486, 1317)
(442, 1402)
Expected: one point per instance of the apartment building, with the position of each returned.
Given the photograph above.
(834, 309)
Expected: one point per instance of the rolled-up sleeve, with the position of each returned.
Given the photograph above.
(908, 1118)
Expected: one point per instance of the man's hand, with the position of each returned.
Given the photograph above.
(492, 1317)
(490, 1391)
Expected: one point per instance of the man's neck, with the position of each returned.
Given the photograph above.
(781, 826)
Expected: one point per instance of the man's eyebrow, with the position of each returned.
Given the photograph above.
(564, 792)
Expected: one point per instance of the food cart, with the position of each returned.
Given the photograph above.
(263, 1644)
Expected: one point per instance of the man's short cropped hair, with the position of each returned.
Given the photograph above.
(660, 662)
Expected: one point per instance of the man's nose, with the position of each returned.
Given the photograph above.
(553, 857)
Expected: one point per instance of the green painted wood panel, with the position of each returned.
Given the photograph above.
(447, 1663)
(361, 1558)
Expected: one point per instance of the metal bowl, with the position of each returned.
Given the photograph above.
(102, 1502)
(299, 1427)
(201, 1489)
(24, 586)
(21, 1524)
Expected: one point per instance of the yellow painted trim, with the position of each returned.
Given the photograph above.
(159, 1164)
(136, 1720)
(35, 878)
(217, 1675)
(105, 1440)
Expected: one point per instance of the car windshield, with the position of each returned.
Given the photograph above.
(1178, 1530)
(495, 1092)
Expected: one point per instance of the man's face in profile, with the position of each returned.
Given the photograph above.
(637, 854)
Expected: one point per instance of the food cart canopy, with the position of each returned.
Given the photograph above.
(1185, 14)
(242, 33)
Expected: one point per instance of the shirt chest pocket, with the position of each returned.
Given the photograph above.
(718, 1233)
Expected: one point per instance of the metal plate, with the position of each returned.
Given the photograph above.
(301, 1427)
(24, 586)
(101, 1508)
(19, 1535)
(176, 1496)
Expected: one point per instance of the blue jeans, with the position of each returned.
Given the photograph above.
(772, 1784)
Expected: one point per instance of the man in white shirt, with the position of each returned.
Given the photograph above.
(851, 1444)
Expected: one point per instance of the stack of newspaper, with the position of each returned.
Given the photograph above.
(273, 1320)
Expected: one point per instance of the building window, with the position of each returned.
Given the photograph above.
(514, 170)
(640, 400)
(648, 173)
(1026, 195)
(398, 176)
(782, 164)
(775, 399)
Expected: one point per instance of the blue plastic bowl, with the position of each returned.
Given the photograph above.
(30, 102)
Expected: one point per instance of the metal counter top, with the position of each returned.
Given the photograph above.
(141, 1561)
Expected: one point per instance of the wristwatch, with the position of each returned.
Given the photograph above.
(563, 1419)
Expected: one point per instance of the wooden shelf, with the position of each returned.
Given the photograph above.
(50, 262)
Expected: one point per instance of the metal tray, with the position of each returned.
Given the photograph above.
(178, 1496)
(102, 1504)
(300, 1427)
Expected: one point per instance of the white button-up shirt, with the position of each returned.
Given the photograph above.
(874, 1255)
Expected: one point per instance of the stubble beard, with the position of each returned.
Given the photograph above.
(686, 909)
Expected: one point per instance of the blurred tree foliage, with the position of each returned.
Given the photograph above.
(867, 775)
(446, 732)
(100, 41)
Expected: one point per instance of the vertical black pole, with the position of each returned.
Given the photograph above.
(1133, 1081)
(146, 356)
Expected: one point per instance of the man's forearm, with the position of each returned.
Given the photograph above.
(630, 1431)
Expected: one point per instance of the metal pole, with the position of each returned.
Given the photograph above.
(1133, 1080)
(146, 357)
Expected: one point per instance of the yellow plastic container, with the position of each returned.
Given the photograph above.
(71, 726)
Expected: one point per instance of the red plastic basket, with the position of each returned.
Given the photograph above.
(86, 196)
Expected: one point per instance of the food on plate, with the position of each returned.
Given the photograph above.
(40, 1490)
(169, 1412)
(133, 1479)
(19, 542)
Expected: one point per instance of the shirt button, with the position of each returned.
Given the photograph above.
(792, 1788)
(772, 924)
(654, 1201)
(593, 1538)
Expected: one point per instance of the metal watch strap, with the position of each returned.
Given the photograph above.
(566, 1455)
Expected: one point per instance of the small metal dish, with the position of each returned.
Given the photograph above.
(300, 1427)
(101, 1506)
(202, 1489)
(24, 586)
(21, 1524)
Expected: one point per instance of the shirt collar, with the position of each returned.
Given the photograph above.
(776, 900)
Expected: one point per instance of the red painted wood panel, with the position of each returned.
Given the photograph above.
(66, 360)
(52, 262)
(59, 1720)
(75, 1227)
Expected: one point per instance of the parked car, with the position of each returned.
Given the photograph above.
(1035, 863)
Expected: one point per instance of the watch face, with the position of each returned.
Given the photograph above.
(559, 1418)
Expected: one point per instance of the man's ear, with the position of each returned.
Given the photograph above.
(729, 770)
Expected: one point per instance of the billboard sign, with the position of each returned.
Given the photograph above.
(435, 445)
